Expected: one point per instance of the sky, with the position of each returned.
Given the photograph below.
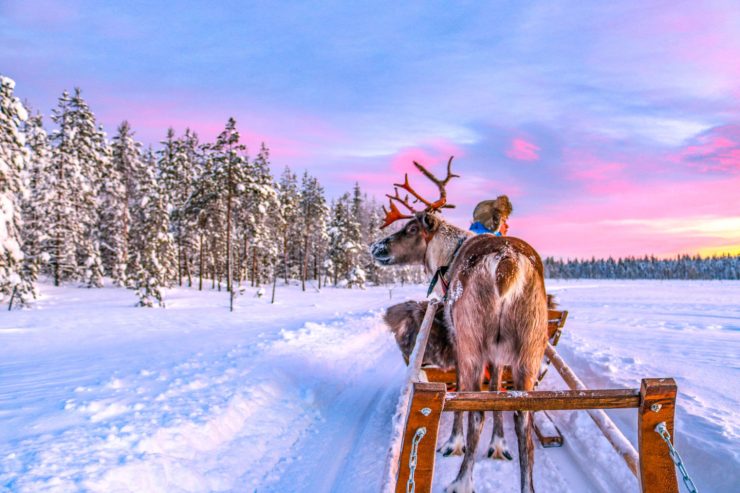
(614, 127)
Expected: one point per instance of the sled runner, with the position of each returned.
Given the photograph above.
(427, 397)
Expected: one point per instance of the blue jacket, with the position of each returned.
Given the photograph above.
(478, 228)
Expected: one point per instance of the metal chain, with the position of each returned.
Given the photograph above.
(662, 430)
(420, 432)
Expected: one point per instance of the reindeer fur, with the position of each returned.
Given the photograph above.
(404, 320)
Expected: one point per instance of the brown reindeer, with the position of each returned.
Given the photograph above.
(496, 308)
(404, 320)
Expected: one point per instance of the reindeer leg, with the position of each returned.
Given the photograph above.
(455, 445)
(469, 378)
(524, 380)
(498, 448)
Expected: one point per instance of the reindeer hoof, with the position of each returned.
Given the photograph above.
(454, 446)
(498, 449)
(448, 450)
(499, 454)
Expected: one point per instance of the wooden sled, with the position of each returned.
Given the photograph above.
(547, 433)
(655, 401)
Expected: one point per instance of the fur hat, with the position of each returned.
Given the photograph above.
(490, 213)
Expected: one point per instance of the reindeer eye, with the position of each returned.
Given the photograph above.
(413, 229)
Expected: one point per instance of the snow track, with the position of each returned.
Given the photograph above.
(299, 396)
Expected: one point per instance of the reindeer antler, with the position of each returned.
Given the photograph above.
(393, 215)
(440, 203)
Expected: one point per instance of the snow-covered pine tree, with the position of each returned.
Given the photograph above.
(313, 222)
(90, 148)
(231, 179)
(168, 175)
(36, 206)
(155, 252)
(365, 214)
(129, 164)
(177, 173)
(289, 200)
(185, 225)
(344, 241)
(261, 220)
(13, 157)
(374, 215)
(207, 208)
(62, 225)
(115, 218)
(200, 209)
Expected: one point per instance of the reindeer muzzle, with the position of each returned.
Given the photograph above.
(380, 252)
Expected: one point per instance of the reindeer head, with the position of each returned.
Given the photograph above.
(408, 246)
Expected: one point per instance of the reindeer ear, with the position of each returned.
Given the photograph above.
(430, 221)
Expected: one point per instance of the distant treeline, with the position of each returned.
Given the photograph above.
(681, 267)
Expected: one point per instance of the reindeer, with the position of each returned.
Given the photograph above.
(496, 309)
(404, 321)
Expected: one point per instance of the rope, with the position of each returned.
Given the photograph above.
(662, 430)
(420, 432)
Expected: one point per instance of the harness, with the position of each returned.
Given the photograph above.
(441, 274)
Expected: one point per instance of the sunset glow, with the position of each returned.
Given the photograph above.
(614, 127)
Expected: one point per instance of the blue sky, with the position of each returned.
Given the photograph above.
(614, 127)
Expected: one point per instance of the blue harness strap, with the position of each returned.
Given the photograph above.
(441, 274)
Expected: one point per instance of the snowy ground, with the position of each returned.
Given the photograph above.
(97, 395)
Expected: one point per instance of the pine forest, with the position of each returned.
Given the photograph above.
(77, 206)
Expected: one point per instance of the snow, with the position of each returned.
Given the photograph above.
(20, 110)
(7, 81)
(98, 395)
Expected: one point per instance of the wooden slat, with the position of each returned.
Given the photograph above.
(424, 411)
(658, 402)
(555, 321)
(435, 374)
(547, 432)
(420, 346)
(542, 399)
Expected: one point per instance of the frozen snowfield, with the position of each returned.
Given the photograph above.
(98, 395)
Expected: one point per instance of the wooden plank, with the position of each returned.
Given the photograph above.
(602, 420)
(542, 399)
(556, 321)
(547, 432)
(424, 413)
(658, 402)
(420, 346)
(435, 374)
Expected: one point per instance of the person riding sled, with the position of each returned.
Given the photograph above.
(490, 216)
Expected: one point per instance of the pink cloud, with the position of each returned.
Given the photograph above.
(596, 174)
(631, 222)
(294, 137)
(717, 150)
(522, 150)
(433, 155)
